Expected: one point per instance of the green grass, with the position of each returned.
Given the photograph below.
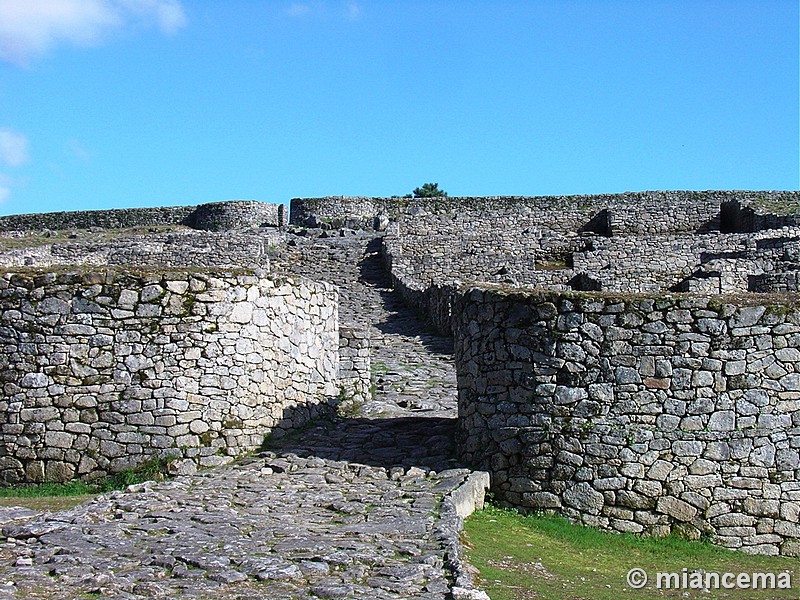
(71, 488)
(521, 557)
(378, 368)
(49, 497)
(33, 239)
(62, 496)
(45, 503)
(151, 470)
(777, 207)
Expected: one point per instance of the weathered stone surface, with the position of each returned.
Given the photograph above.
(609, 408)
(163, 366)
(347, 508)
(678, 509)
(679, 451)
(584, 498)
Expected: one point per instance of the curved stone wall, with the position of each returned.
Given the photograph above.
(341, 210)
(101, 370)
(242, 214)
(640, 414)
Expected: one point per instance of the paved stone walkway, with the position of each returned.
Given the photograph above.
(344, 509)
(413, 367)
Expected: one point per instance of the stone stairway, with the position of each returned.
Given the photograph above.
(347, 508)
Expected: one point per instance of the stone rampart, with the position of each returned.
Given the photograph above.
(102, 370)
(667, 262)
(777, 281)
(481, 254)
(630, 213)
(536, 249)
(106, 219)
(216, 216)
(174, 250)
(426, 270)
(639, 414)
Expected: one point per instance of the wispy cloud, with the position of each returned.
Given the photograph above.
(167, 14)
(353, 10)
(297, 9)
(349, 9)
(6, 187)
(13, 148)
(76, 150)
(14, 152)
(30, 28)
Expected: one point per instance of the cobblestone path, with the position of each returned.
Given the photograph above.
(347, 508)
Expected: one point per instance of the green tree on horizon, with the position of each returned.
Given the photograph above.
(429, 190)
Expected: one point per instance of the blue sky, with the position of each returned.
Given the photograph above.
(124, 103)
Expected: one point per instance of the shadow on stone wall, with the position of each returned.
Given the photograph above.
(599, 224)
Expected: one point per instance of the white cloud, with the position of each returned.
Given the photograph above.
(168, 14)
(322, 8)
(298, 10)
(5, 189)
(13, 153)
(13, 148)
(29, 28)
(76, 150)
(353, 10)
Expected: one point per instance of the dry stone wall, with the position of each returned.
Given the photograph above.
(242, 214)
(646, 412)
(106, 219)
(649, 242)
(670, 262)
(179, 249)
(778, 281)
(630, 213)
(104, 369)
(217, 216)
(478, 254)
(640, 414)
(354, 367)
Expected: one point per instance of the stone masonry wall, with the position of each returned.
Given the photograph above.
(439, 251)
(779, 281)
(354, 365)
(639, 414)
(106, 219)
(637, 213)
(102, 369)
(217, 216)
(481, 253)
(242, 214)
(664, 262)
(179, 249)
(426, 272)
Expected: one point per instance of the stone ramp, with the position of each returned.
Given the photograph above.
(276, 525)
(347, 508)
(413, 369)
